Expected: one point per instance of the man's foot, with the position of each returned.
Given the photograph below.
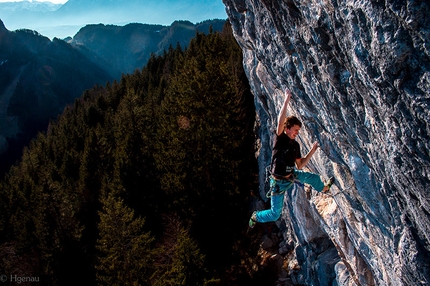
(328, 184)
(253, 220)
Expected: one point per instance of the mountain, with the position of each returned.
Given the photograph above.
(33, 15)
(359, 74)
(74, 14)
(122, 49)
(38, 78)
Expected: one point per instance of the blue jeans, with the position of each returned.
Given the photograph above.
(279, 187)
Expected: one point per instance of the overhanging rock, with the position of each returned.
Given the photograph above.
(360, 75)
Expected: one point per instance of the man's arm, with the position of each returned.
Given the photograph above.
(283, 113)
(300, 163)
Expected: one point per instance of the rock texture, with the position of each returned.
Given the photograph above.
(360, 75)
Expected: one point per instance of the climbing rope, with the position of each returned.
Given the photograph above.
(339, 192)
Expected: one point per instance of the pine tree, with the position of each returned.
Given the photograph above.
(179, 261)
(125, 249)
(175, 137)
(203, 140)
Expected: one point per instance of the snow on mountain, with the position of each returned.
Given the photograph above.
(33, 6)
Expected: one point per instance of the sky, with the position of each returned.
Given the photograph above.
(53, 1)
(69, 21)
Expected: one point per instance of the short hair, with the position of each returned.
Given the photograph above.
(290, 121)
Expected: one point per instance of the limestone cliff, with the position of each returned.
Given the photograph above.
(360, 75)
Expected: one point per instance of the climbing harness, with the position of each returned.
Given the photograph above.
(274, 186)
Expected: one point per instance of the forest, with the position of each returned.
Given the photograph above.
(145, 181)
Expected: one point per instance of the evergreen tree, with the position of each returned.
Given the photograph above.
(202, 140)
(179, 260)
(125, 250)
(175, 137)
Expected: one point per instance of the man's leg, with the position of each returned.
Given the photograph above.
(277, 188)
(310, 178)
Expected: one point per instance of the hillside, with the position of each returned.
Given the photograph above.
(135, 181)
(122, 49)
(38, 78)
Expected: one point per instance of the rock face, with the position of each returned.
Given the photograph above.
(360, 75)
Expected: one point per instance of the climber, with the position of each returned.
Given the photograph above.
(286, 155)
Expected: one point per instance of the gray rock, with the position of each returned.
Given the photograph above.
(266, 243)
(360, 75)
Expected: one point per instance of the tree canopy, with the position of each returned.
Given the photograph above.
(163, 157)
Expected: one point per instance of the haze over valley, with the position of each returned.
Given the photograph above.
(61, 21)
(51, 53)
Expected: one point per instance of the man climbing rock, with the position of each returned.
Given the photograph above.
(286, 166)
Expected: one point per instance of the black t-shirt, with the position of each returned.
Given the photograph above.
(284, 154)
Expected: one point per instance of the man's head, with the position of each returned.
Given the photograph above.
(292, 126)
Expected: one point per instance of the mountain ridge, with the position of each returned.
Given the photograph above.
(129, 47)
(37, 75)
(33, 88)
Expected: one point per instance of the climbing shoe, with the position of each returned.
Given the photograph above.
(253, 220)
(329, 183)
